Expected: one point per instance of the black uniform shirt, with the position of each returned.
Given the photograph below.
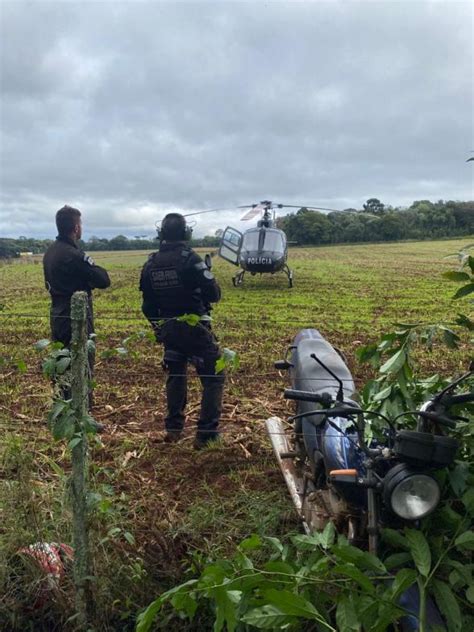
(176, 281)
(67, 269)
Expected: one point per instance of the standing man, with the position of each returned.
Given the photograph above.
(67, 269)
(175, 281)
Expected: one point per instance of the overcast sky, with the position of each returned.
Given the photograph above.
(130, 109)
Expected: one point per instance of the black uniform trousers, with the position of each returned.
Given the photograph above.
(184, 343)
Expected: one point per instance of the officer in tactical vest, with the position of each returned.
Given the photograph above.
(176, 281)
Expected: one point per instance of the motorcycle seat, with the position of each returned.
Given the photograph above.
(308, 375)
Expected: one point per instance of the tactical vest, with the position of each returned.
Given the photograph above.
(170, 281)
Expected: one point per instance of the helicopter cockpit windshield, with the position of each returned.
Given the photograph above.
(274, 241)
(260, 240)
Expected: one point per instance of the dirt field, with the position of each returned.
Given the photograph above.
(159, 511)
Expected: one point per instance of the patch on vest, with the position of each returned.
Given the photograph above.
(164, 279)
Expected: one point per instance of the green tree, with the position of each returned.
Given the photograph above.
(120, 242)
(375, 206)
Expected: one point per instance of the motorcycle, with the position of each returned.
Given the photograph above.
(334, 474)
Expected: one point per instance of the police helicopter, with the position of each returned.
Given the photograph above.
(261, 249)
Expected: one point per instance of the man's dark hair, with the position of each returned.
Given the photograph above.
(173, 227)
(66, 218)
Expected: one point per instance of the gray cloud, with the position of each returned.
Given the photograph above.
(130, 109)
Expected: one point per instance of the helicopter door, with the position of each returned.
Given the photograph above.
(231, 245)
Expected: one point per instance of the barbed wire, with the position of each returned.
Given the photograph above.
(195, 428)
(221, 325)
(229, 375)
(263, 319)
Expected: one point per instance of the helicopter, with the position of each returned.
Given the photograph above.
(261, 249)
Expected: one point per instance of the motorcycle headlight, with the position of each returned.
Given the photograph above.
(410, 494)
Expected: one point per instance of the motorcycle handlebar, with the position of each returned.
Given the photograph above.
(463, 398)
(306, 396)
(440, 419)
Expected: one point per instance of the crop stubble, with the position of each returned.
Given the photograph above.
(173, 500)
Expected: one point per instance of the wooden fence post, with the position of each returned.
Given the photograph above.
(80, 396)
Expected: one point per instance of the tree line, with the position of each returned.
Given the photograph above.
(377, 222)
(10, 248)
(373, 222)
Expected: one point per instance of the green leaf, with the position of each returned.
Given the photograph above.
(446, 517)
(396, 560)
(403, 580)
(323, 539)
(420, 551)
(146, 618)
(465, 540)
(189, 319)
(452, 275)
(395, 539)
(74, 441)
(470, 594)
(395, 362)
(277, 566)
(292, 604)
(212, 574)
(226, 602)
(64, 426)
(383, 394)
(89, 424)
(464, 321)
(448, 605)
(462, 573)
(242, 561)
(185, 602)
(276, 543)
(349, 570)
(251, 543)
(364, 354)
(267, 617)
(328, 536)
(458, 477)
(41, 344)
(450, 338)
(228, 360)
(21, 366)
(90, 346)
(464, 290)
(114, 531)
(346, 617)
(57, 409)
(361, 559)
(468, 500)
(62, 365)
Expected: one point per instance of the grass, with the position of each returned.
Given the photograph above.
(159, 509)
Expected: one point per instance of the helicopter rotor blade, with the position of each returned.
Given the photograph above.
(330, 210)
(211, 210)
(312, 208)
(256, 210)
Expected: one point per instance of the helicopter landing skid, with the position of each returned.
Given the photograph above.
(238, 278)
(289, 274)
